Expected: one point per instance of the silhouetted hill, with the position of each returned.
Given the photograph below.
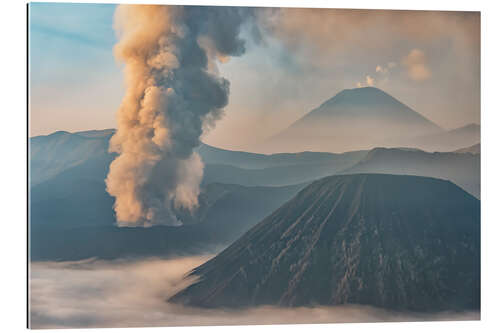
(447, 140)
(245, 160)
(397, 242)
(462, 169)
(474, 149)
(282, 174)
(59, 151)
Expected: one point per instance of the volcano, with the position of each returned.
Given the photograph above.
(390, 241)
(354, 119)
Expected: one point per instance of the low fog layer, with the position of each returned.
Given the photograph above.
(97, 293)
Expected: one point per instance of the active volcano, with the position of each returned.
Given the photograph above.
(397, 242)
(355, 119)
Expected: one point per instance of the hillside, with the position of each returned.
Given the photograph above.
(59, 151)
(462, 169)
(474, 149)
(397, 242)
(72, 218)
(447, 140)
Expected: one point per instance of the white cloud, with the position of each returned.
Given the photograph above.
(121, 293)
(370, 81)
(382, 73)
(381, 69)
(416, 65)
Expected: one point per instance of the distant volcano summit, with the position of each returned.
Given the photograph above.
(367, 103)
(354, 119)
(397, 242)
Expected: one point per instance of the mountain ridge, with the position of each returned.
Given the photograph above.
(462, 169)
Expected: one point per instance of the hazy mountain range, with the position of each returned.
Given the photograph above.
(72, 216)
(398, 242)
(82, 225)
(59, 151)
(50, 155)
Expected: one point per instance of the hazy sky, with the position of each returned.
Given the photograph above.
(428, 60)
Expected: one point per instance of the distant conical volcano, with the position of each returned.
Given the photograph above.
(398, 242)
(368, 102)
(354, 119)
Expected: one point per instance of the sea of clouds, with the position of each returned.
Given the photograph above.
(134, 293)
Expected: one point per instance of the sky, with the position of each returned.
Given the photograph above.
(428, 60)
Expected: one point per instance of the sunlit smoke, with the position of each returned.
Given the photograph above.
(173, 93)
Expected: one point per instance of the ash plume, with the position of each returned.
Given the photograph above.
(173, 93)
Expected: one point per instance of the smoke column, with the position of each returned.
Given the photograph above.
(172, 94)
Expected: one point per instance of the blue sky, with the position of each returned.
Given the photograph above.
(75, 80)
